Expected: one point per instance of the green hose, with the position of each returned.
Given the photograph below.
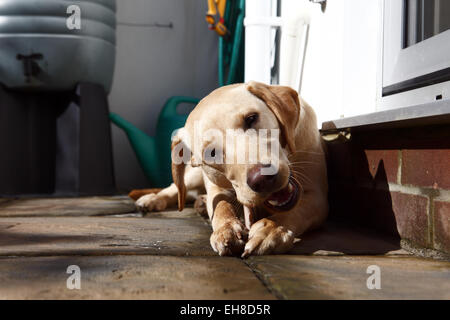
(235, 45)
(220, 63)
(236, 42)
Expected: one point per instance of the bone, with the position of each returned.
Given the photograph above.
(248, 217)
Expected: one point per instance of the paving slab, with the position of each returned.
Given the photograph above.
(167, 255)
(85, 206)
(340, 239)
(130, 277)
(162, 234)
(313, 277)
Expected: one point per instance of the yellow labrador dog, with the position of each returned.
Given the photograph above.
(257, 153)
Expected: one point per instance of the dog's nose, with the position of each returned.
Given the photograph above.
(259, 182)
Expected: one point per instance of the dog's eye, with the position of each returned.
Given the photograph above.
(250, 120)
(209, 153)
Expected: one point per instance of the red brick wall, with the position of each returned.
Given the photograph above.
(395, 181)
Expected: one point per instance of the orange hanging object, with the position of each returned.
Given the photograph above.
(216, 9)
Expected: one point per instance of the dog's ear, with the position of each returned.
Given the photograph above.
(284, 103)
(178, 150)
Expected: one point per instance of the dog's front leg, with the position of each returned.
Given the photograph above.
(277, 233)
(229, 234)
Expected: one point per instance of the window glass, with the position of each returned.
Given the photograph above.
(424, 19)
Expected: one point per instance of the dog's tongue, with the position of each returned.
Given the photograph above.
(281, 196)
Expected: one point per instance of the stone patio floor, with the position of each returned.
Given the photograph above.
(167, 255)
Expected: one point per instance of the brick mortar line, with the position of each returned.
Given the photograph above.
(431, 221)
(439, 194)
(436, 194)
(400, 165)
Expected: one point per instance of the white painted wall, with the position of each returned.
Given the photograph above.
(340, 73)
(340, 68)
(322, 84)
(362, 27)
(153, 64)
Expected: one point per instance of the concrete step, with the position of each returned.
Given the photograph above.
(345, 277)
(167, 255)
(130, 277)
(85, 206)
(163, 234)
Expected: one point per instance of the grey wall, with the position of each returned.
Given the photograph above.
(153, 64)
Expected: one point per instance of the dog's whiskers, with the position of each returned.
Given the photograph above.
(299, 164)
(303, 161)
(306, 152)
(303, 176)
(296, 171)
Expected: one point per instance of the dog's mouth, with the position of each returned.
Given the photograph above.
(285, 198)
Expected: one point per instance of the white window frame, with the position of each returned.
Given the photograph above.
(397, 64)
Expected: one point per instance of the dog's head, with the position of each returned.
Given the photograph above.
(242, 135)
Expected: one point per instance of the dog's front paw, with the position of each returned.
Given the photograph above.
(150, 202)
(229, 239)
(266, 237)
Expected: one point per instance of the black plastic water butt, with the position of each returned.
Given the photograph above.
(55, 136)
